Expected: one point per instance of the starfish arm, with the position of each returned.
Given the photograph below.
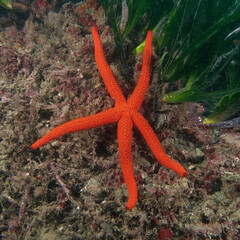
(124, 141)
(108, 116)
(135, 100)
(106, 73)
(155, 145)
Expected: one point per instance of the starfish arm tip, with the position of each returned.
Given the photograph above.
(36, 145)
(184, 174)
(32, 147)
(128, 207)
(131, 203)
(177, 167)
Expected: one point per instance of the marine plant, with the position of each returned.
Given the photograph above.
(197, 46)
(6, 4)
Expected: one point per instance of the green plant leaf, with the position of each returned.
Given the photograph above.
(200, 56)
(194, 42)
(6, 4)
(136, 10)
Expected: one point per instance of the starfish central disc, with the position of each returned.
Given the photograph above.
(126, 109)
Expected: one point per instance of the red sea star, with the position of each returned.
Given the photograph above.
(125, 113)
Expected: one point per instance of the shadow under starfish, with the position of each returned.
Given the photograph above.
(125, 112)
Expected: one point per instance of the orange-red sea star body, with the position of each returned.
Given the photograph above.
(125, 113)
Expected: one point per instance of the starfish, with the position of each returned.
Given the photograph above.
(125, 112)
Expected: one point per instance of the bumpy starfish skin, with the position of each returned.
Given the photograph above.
(125, 113)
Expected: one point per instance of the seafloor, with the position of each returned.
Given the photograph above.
(73, 188)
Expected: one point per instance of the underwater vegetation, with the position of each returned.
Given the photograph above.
(6, 4)
(197, 46)
(18, 5)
